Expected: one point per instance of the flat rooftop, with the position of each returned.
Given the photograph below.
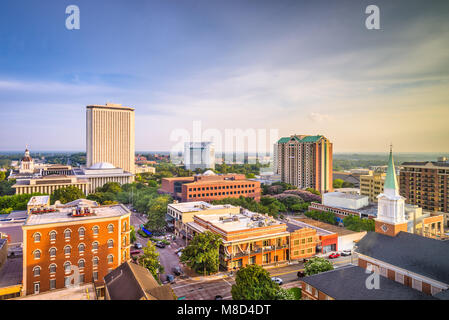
(64, 215)
(38, 200)
(343, 195)
(241, 221)
(293, 225)
(326, 226)
(11, 272)
(197, 206)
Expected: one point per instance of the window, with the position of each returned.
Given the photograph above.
(81, 278)
(53, 235)
(67, 250)
(67, 267)
(308, 288)
(296, 243)
(52, 284)
(95, 275)
(95, 261)
(67, 234)
(37, 254)
(95, 245)
(124, 225)
(52, 252)
(37, 271)
(52, 268)
(37, 237)
(417, 284)
(81, 263)
(95, 230)
(110, 258)
(67, 281)
(435, 290)
(399, 277)
(81, 232)
(81, 247)
(110, 243)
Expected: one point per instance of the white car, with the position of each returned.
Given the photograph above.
(277, 280)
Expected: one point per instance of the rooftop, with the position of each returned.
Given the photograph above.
(64, 214)
(11, 272)
(424, 256)
(326, 226)
(348, 283)
(344, 195)
(38, 200)
(197, 206)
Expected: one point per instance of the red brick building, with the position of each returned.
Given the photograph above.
(209, 187)
(79, 243)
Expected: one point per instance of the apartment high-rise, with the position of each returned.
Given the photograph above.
(199, 155)
(305, 161)
(110, 135)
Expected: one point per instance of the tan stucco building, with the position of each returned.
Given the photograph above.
(372, 185)
(110, 135)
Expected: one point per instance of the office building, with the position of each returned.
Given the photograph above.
(305, 161)
(110, 135)
(49, 184)
(426, 184)
(210, 186)
(79, 243)
(199, 155)
(372, 185)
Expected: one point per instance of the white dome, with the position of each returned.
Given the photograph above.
(209, 173)
(102, 165)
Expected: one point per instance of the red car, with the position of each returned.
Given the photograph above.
(334, 255)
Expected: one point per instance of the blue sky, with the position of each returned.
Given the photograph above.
(305, 67)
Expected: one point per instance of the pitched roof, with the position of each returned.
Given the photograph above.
(390, 180)
(130, 281)
(415, 253)
(299, 139)
(349, 283)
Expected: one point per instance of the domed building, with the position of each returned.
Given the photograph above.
(27, 163)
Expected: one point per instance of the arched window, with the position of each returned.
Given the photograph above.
(67, 250)
(110, 228)
(95, 245)
(81, 263)
(37, 271)
(37, 237)
(81, 232)
(124, 225)
(81, 247)
(95, 261)
(67, 267)
(53, 235)
(110, 243)
(95, 230)
(67, 233)
(37, 254)
(52, 268)
(52, 252)
(110, 258)
(124, 241)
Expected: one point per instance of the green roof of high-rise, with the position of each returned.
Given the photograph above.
(305, 139)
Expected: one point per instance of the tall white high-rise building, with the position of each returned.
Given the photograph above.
(110, 135)
(199, 155)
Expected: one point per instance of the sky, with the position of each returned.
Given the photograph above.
(298, 67)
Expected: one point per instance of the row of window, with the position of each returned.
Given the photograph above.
(68, 233)
(67, 281)
(68, 265)
(220, 193)
(68, 249)
(303, 241)
(223, 187)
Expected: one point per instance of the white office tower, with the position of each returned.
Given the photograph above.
(199, 155)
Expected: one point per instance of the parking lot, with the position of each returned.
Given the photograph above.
(202, 289)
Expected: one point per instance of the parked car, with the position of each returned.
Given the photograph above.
(334, 255)
(160, 244)
(177, 271)
(179, 250)
(179, 253)
(218, 297)
(301, 274)
(277, 280)
(135, 252)
(137, 245)
(170, 278)
(346, 253)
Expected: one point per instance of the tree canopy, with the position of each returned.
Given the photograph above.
(201, 254)
(67, 194)
(316, 265)
(150, 260)
(254, 283)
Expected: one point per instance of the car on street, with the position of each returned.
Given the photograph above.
(159, 244)
(177, 271)
(301, 274)
(334, 255)
(179, 254)
(346, 253)
(178, 250)
(135, 252)
(279, 281)
(138, 245)
(170, 278)
(218, 297)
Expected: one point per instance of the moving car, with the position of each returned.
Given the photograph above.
(177, 271)
(279, 281)
(137, 245)
(346, 253)
(334, 255)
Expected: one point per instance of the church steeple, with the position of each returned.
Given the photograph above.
(391, 182)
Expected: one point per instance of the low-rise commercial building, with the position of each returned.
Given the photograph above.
(210, 186)
(38, 204)
(252, 238)
(81, 242)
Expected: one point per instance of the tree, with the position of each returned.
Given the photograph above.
(150, 260)
(2, 175)
(317, 265)
(67, 194)
(112, 187)
(132, 234)
(338, 183)
(202, 253)
(157, 209)
(254, 283)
